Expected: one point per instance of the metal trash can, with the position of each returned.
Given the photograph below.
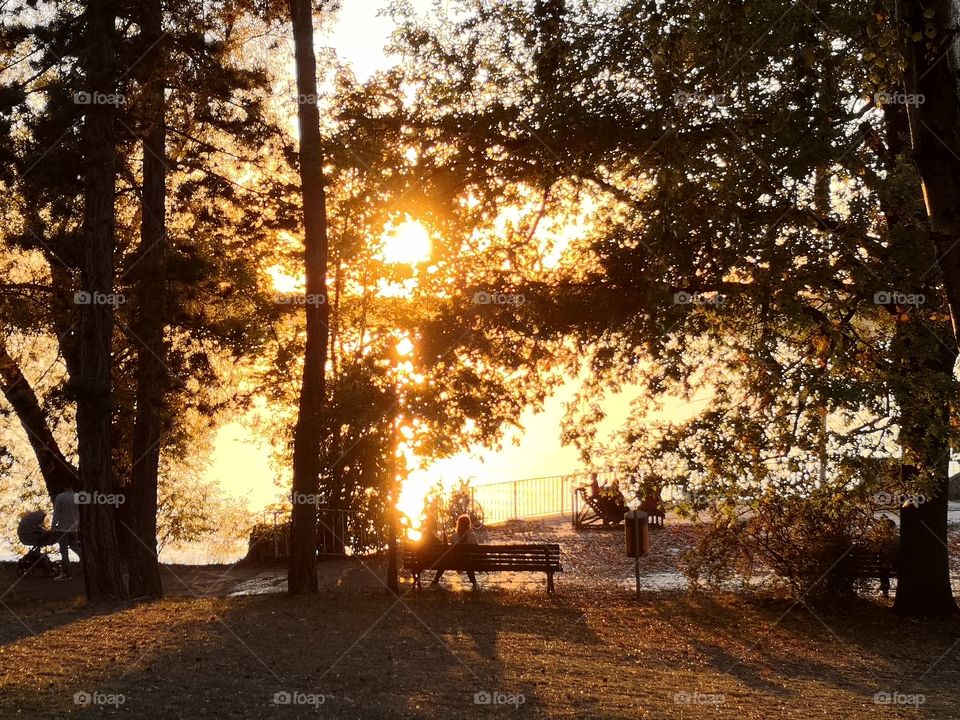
(636, 519)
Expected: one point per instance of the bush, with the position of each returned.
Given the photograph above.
(803, 541)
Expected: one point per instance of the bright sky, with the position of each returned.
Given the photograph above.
(241, 464)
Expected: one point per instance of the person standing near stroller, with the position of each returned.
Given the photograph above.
(66, 526)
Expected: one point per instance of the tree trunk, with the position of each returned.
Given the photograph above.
(57, 472)
(923, 585)
(150, 272)
(98, 538)
(923, 567)
(935, 131)
(923, 563)
(308, 434)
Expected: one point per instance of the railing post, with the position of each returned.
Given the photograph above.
(515, 514)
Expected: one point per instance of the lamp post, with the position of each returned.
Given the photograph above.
(400, 348)
(393, 580)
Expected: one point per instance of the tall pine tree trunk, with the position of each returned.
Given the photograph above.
(308, 434)
(935, 129)
(98, 538)
(140, 531)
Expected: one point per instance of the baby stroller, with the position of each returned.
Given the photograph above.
(31, 533)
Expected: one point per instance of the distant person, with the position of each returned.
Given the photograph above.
(66, 526)
(616, 496)
(595, 489)
(464, 536)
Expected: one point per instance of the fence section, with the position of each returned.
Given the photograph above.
(528, 498)
(339, 532)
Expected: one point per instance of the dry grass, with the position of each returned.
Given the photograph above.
(590, 652)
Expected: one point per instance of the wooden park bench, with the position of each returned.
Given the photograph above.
(484, 558)
(655, 509)
(866, 564)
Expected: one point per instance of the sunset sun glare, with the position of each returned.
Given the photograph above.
(406, 243)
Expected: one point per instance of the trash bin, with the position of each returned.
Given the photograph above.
(632, 520)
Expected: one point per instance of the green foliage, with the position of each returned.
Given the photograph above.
(751, 202)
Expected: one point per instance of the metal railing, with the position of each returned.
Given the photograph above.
(342, 530)
(339, 532)
(530, 497)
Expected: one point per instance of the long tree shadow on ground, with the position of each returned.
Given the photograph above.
(356, 656)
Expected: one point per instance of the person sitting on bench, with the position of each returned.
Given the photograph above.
(430, 538)
(614, 502)
(464, 536)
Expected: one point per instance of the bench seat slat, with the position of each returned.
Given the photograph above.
(525, 557)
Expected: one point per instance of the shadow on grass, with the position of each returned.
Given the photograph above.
(770, 645)
(343, 655)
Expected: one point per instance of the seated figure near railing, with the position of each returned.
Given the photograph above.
(464, 536)
(613, 501)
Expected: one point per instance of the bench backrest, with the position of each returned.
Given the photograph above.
(863, 561)
(485, 557)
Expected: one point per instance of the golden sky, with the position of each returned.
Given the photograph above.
(241, 464)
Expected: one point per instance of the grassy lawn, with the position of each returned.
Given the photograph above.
(354, 651)
(369, 655)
